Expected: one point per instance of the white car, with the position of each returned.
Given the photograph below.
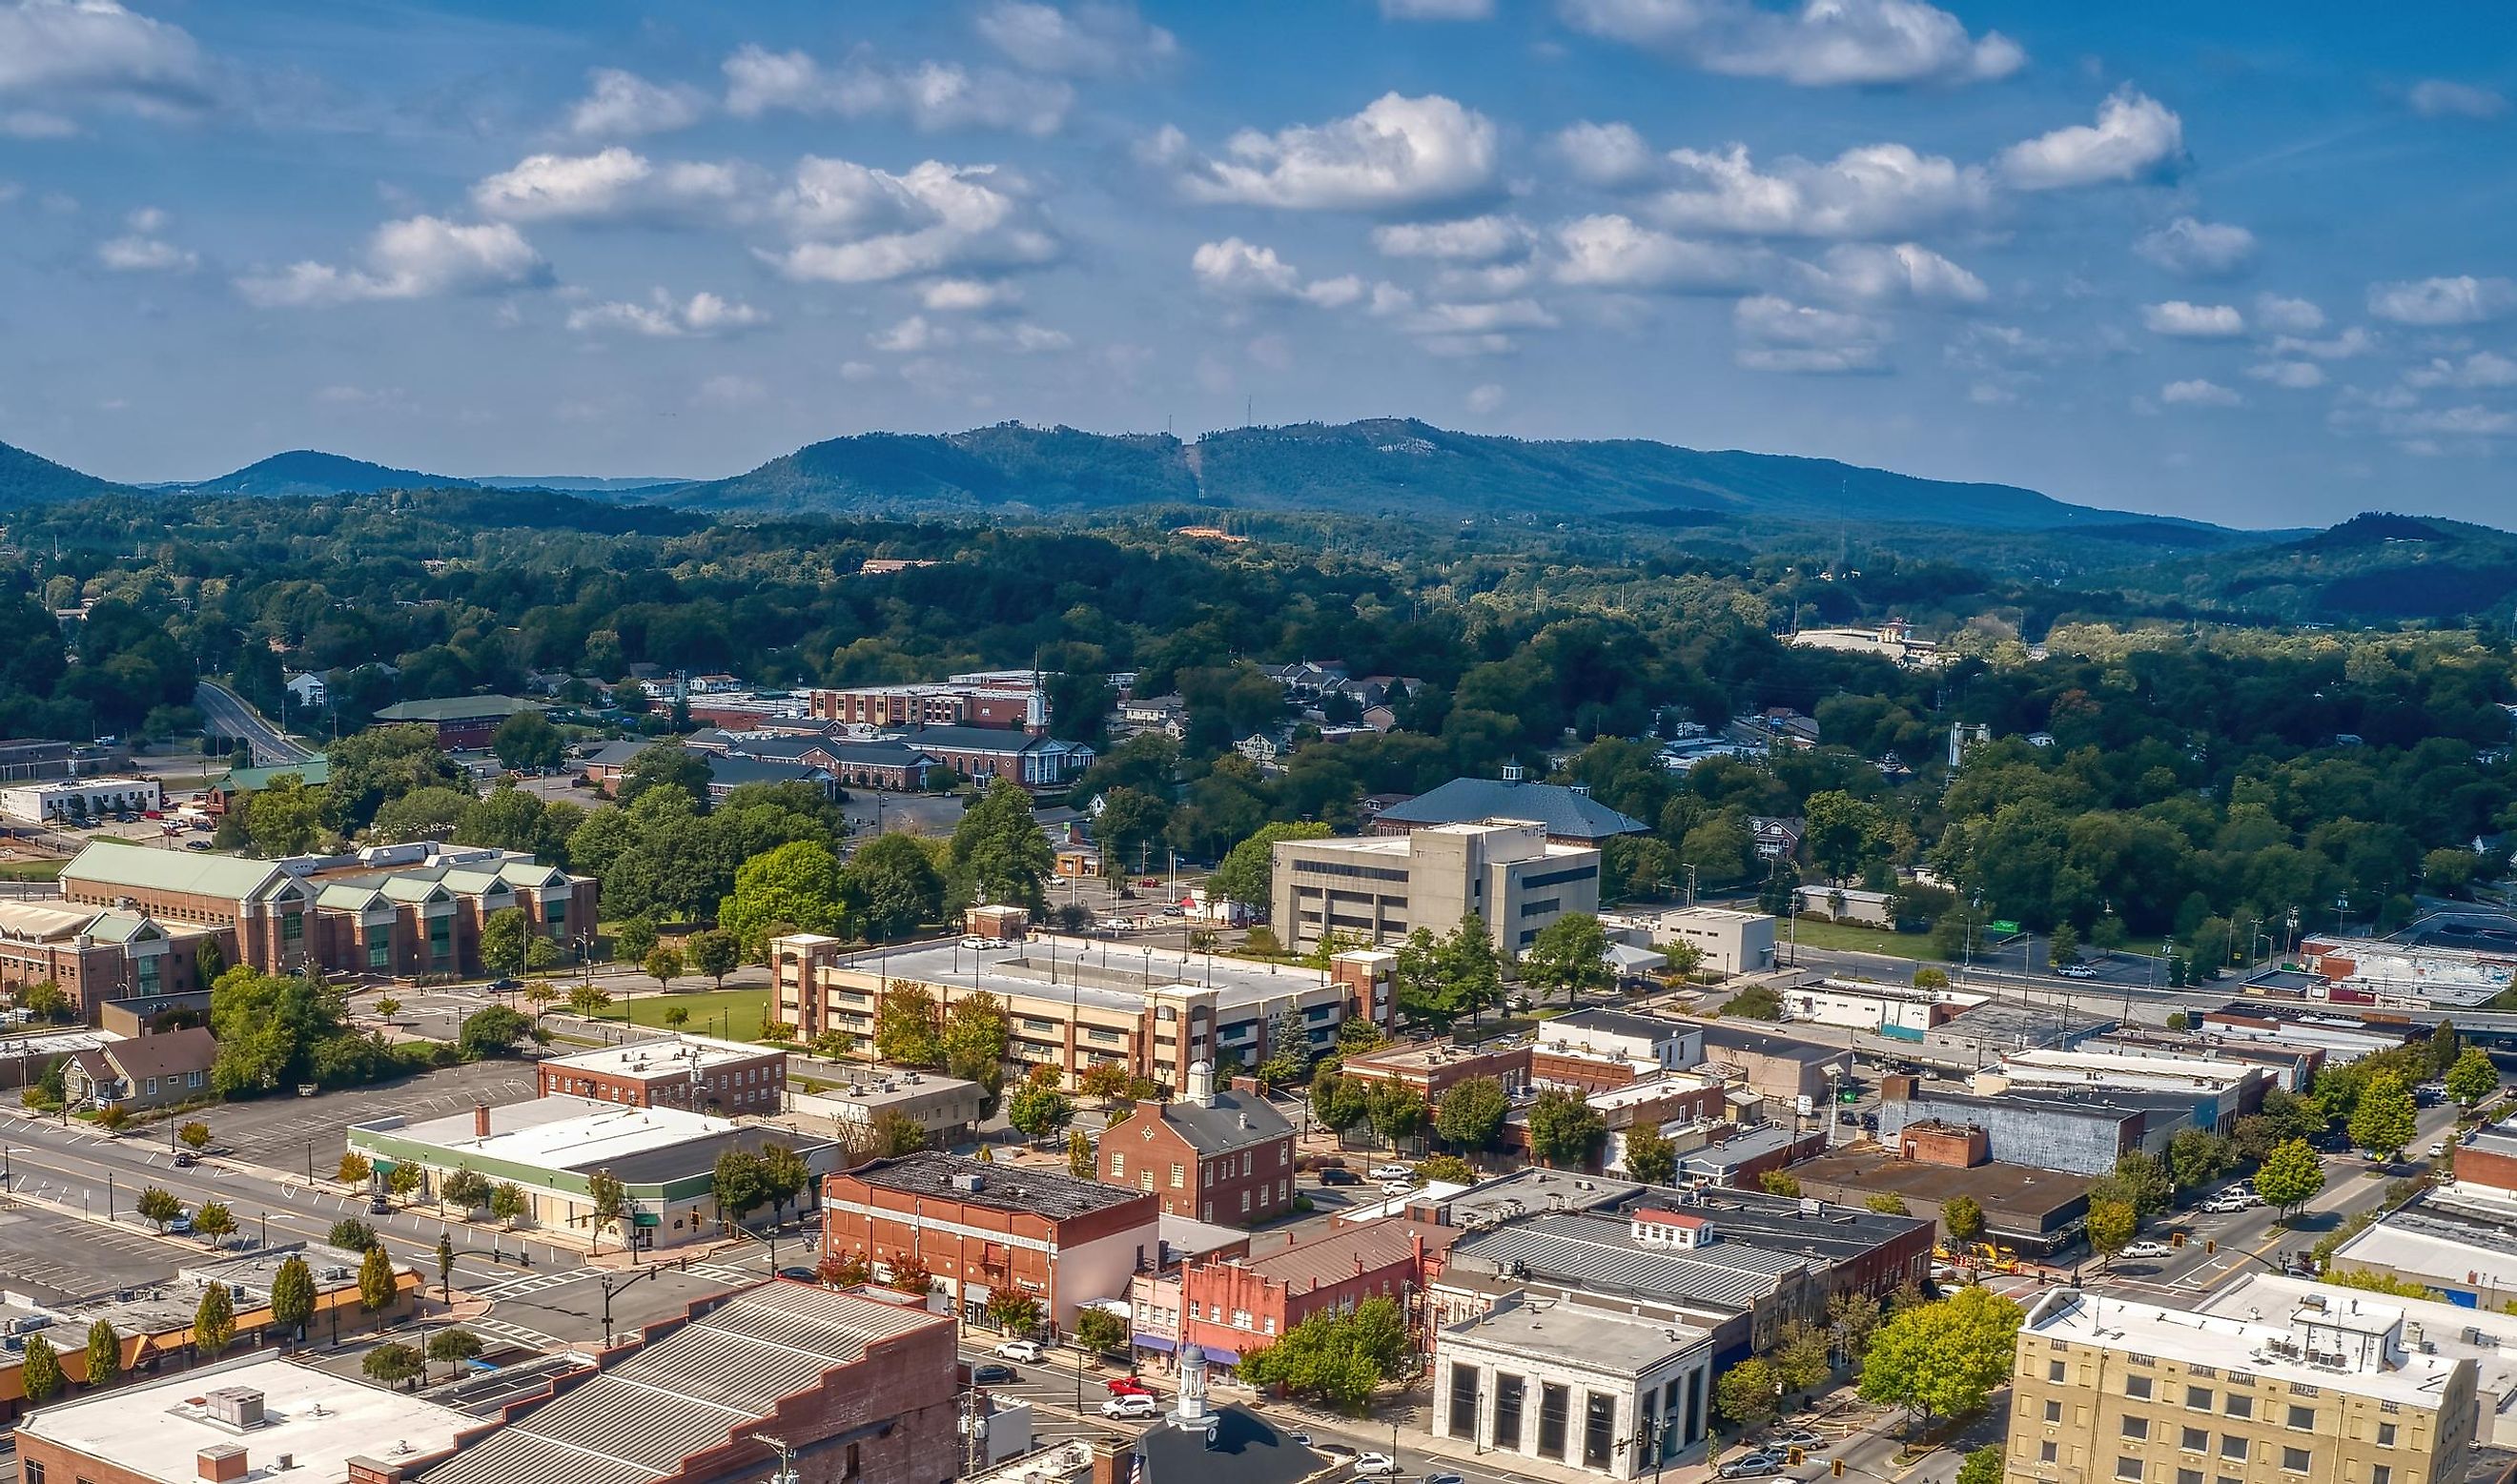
(2148, 1249)
(1116, 924)
(1022, 1350)
(1391, 1172)
(1398, 1187)
(1374, 1466)
(1131, 1405)
(2438, 1148)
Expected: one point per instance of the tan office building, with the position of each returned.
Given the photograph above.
(1380, 888)
(2106, 1390)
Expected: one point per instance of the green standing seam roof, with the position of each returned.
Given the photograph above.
(313, 773)
(457, 708)
(172, 871)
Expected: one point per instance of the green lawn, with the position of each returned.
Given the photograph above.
(741, 1010)
(1851, 937)
(33, 871)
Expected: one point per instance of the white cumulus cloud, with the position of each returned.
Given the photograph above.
(1874, 274)
(1813, 43)
(135, 254)
(1869, 191)
(1612, 251)
(620, 104)
(1398, 153)
(414, 258)
(2461, 300)
(2438, 98)
(928, 95)
(2191, 248)
(854, 224)
(2194, 322)
(2292, 376)
(2351, 343)
(968, 295)
(2278, 315)
(1237, 270)
(2133, 138)
(1437, 9)
(1775, 334)
(1468, 240)
(2198, 394)
(2481, 368)
(616, 184)
(1485, 399)
(1605, 154)
(1091, 39)
(58, 55)
(702, 315)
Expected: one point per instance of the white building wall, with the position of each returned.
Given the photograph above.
(1102, 1268)
(1638, 1401)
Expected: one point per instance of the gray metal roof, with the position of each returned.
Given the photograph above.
(1593, 1253)
(1237, 1121)
(1568, 813)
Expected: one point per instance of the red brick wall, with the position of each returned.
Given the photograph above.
(905, 1225)
(1588, 1074)
(2473, 1167)
(1953, 1145)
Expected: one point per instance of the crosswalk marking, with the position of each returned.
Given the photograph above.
(523, 1334)
(534, 1283)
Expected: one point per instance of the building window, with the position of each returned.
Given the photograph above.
(2137, 1428)
(2293, 1461)
(2385, 1434)
(2196, 1440)
(2048, 1451)
(2053, 1412)
(1145, 1179)
(2380, 1475)
(1463, 1401)
(2188, 1476)
(292, 927)
(2239, 1405)
(379, 953)
(2303, 1418)
(1507, 1419)
(2232, 1446)
(1552, 1402)
(2137, 1387)
(2054, 1369)
(2197, 1398)
(31, 1471)
(1118, 1161)
(1241, 1319)
(1245, 1165)
(1180, 1175)
(441, 937)
(2127, 1466)
(1244, 1203)
(1598, 1422)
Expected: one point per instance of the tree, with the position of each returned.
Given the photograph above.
(1340, 1102)
(1758, 1002)
(1100, 1330)
(589, 1001)
(503, 937)
(1887, 1203)
(1080, 1162)
(195, 1135)
(1851, 1317)
(2111, 1225)
(350, 1235)
(1397, 1111)
(1289, 1049)
(667, 765)
(213, 1322)
(1963, 1217)
(509, 1203)
(2062, 945)
(999, 849)
(1931, 979)
(2196, 1157)
(896, 886)
(1449, 1168)
(1748, 1395)
(663, 966)
(2384, 1121)
(1983, 1466)
(1777, 1182)
(103, 1353)
(904, 1026)
(39, 1373)
(112, 1116)
(1337, 1358)
(354, 1170)
(1651, 1157)
(714, 953)
(446, 1265)
(1564, 1130)
(2139, 1181)
(2445, 1044)
(2472, 1077)
(158, 1206)
(1012, 1311)
(676, 1017)
(453, 1346)
(1247, 874)
(974, 1046)
(404, 1180)
(214, 1222)
(1126, 819)
(394, 1365)
(378, 1287)
(1942, 1359)
(2289, 1176)
(1569, 954)
(491, 1031)
(739, 1183)
(607, 1200)
(1801, 1358)
(527, 739)
(1039, 1110)
(1472, 1113)
(292, 1295)
(784, 1175)
(634, 939)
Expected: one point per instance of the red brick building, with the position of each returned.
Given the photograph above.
(983, 1228)
(462, 722)
(1214, 1155)
(1432, 1067)
(719, 1077)
(1231, 1308)
(1000, 702)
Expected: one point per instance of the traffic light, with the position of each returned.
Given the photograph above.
(2210, 1244)
(1835, 1466)
(1799, 1456)
(2175, 1239)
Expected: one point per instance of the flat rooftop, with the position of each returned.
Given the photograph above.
(2243, 1345)
(2014, 1189)
(659, 1058)
(1537, 1190)
(1650, 1027)
(155, 1430)
(1001, 1187)
(560, 1132)
(2488, 1337)
(1573, 1333)
(1092, 973)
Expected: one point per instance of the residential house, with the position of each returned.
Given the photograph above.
(143, 1071)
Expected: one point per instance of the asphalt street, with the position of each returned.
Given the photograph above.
(224, 713)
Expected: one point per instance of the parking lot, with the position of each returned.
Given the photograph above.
(278, 1132)
(58, 1258)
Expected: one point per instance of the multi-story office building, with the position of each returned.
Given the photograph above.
(725, 1077)
(1075, 1004)
(1380, 888)
(2131, 1392)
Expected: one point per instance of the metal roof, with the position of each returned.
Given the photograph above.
(173, 870)
(1565, 811)
(1237, 1121)
(1593, 1253)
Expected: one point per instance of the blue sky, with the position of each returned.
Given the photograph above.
(2244, 262)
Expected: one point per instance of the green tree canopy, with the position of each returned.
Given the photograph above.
(1472, 1113)
(1569, 954)
(1945, 1358)
(998, 848)
(1564, 1130)
(1247, 874)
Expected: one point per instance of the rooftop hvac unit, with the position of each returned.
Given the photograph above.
(281, 1462)
(970, 1184)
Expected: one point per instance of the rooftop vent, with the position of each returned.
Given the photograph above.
(970, 1184)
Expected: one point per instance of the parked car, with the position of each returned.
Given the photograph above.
(1750, 1466)
(1397, 1187)
(184, 1158)
(1442, 1478)
(1374, 1466)
(1392, 1172)
(179, 1224)
(1339, 1177)
(992, 1375)
(1022, 1350)
(2438, 1148)
(1133, 1408)
(2078, 971)
(2148, 1249)
(1128, 1385)
(1793, 1437)
(799, 1274)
